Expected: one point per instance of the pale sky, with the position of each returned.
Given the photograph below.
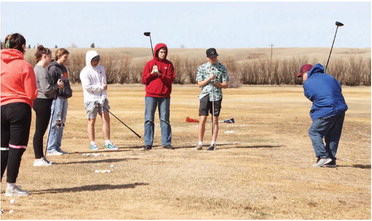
(240, 24)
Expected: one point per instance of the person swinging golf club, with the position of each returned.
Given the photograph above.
(211, 77)
(93, 81)
(327, 112)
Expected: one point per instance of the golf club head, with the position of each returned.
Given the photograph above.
(147, 34)
(338, 24)
(229, 121)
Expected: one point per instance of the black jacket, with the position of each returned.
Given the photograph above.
(57, 71)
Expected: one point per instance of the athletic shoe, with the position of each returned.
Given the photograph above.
(54, 153)
(15, 191)
(110, 147)
(63, 152)
(41, 162)
(169, 147)
(93, 147)
(212, 147)
(147, 147)
(322, 162)
(332, 164)
(199, 147)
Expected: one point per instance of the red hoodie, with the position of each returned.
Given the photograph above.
(18, 81)
(158, 85)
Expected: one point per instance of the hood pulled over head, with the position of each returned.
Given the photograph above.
(89, 56)
(318, 68)
(157, 48)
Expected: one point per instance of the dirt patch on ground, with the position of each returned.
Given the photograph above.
(261, 170)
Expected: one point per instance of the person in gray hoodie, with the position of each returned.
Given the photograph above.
(94, 83)
(58, 72)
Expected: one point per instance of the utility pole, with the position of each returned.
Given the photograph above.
(271, 52)
(271, 55)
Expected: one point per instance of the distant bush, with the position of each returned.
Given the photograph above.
(121, 68)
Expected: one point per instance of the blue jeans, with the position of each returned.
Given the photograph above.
(58, 112)
(329, 129)
(164, 112)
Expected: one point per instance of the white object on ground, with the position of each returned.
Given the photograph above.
(102, 171)
(229, 132)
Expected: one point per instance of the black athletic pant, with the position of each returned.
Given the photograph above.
(15, 131)
(42, 109)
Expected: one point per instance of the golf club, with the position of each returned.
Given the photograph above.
(212, 107)
(148, 34)
(338, 24)
(99, 105)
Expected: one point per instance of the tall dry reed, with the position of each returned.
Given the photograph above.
(121, 68)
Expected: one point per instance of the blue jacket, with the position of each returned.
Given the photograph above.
(325, 92)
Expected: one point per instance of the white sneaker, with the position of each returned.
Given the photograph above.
(42, 162)
(54, 153)
(15, 191)
(63, 152)
(322, 162)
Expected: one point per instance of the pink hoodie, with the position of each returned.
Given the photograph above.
(18, 81)
(158, 86)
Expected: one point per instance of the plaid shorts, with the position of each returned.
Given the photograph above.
(93, 108)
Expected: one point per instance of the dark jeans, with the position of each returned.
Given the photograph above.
(42, 110)
(15, 131)
(329, 129)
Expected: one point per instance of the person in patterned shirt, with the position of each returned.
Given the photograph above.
(211, 77)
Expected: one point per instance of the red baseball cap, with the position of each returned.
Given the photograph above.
(305, 68)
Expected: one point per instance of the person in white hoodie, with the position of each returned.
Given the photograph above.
(94, 83)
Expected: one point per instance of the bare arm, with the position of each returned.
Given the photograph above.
(206, 81)
(221, 85)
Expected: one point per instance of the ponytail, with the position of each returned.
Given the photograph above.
(41, 51)
(15, 41)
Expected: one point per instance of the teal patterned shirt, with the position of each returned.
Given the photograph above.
(203, 73)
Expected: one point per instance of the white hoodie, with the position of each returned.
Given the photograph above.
(93, 79)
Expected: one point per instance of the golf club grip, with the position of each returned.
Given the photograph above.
(122, 122)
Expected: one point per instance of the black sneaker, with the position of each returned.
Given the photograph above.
(147, 147)
(170, 147)
(212, 147)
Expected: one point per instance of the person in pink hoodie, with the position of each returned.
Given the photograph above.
(18, 91)
(158, 76)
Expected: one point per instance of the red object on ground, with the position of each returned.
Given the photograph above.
(190, 120)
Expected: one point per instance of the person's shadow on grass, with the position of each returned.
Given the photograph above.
(95, 187)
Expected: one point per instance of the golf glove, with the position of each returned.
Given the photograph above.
(155, 69)
(102, 100)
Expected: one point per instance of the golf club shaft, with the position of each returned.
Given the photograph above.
(152, 49)
(329, 56)
(212, 109)
(121, 122)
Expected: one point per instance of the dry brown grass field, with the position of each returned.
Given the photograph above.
(261, 169)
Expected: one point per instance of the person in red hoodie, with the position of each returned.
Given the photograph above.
(18, 91)
(158, 76)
